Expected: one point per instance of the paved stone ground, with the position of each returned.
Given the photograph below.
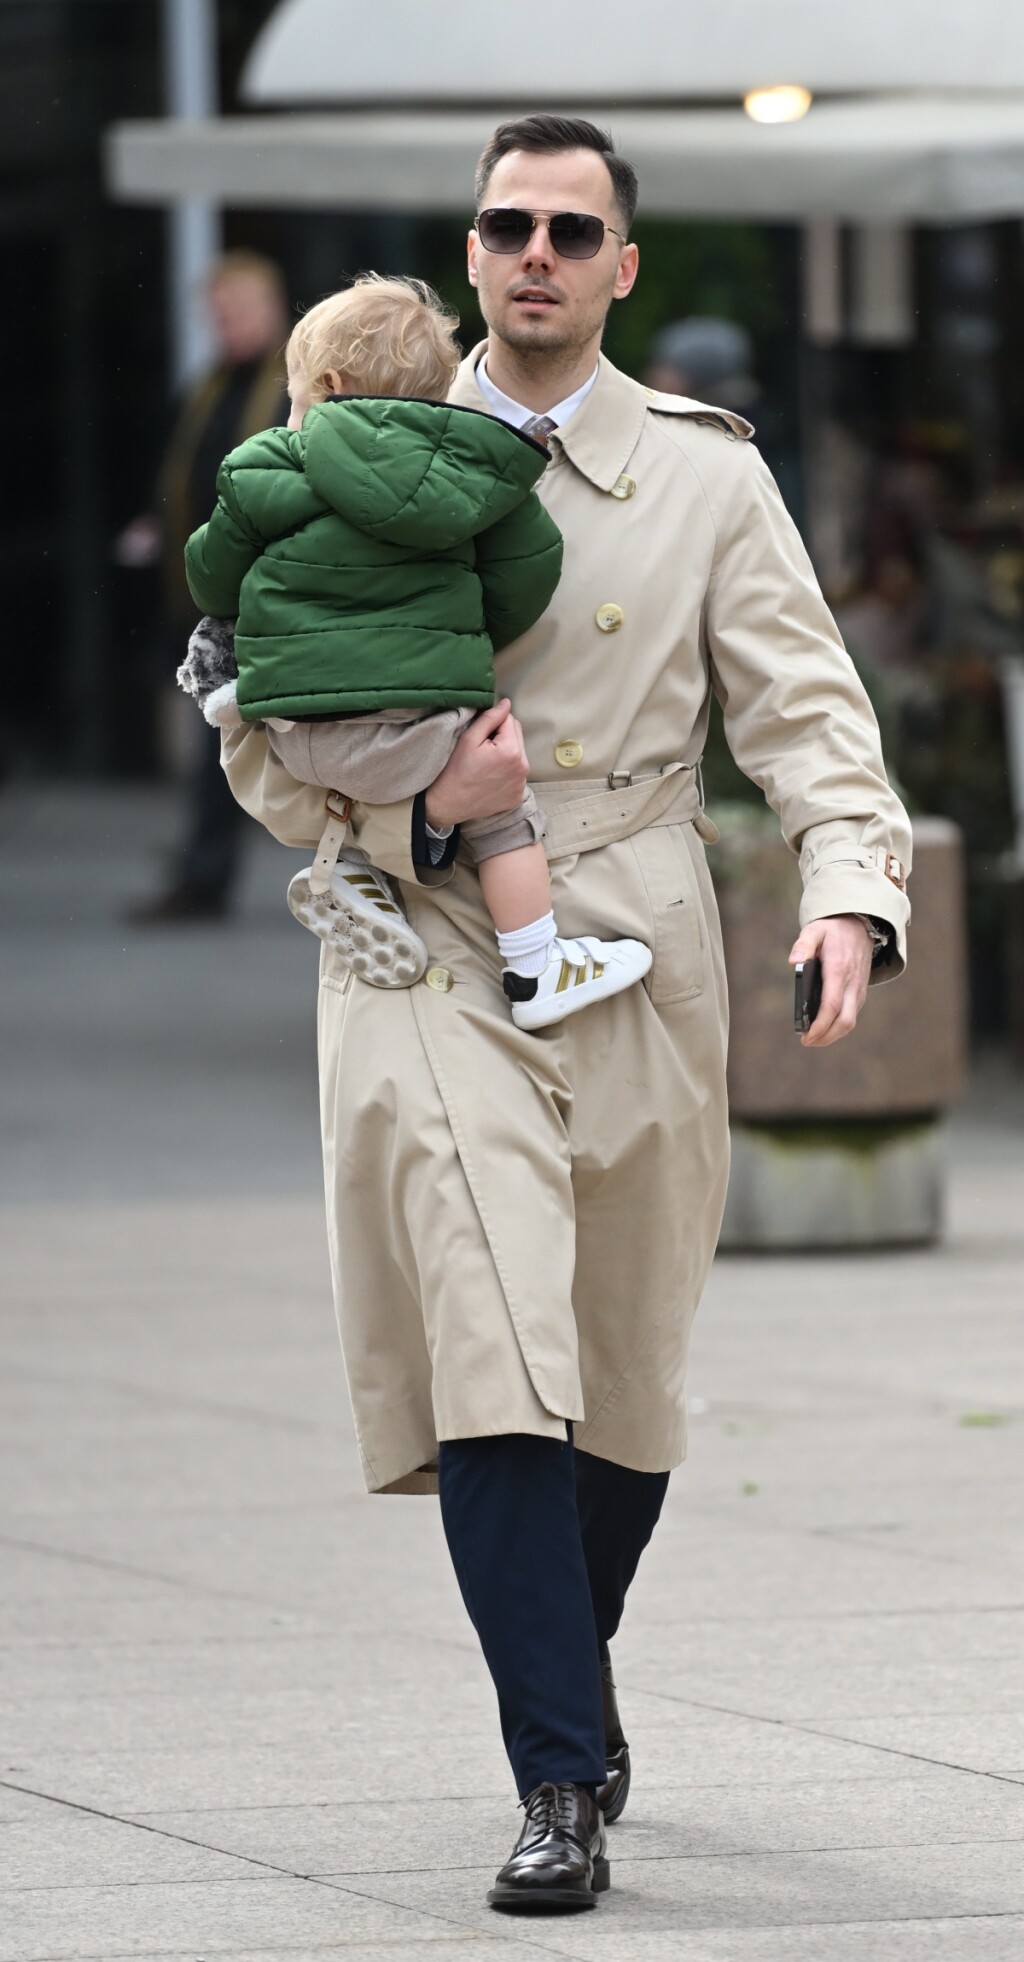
(241, 1711)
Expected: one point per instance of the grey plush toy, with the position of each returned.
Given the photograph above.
(209, 672)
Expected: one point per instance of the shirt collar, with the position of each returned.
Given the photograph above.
(603, 432)
(514, 412)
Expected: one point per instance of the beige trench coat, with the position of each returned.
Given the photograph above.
(521, 1225)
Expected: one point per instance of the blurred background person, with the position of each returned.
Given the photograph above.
(711, 359)
(701, 353)
(244, 391)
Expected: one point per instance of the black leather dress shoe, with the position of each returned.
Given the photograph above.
(560, 1860)
(612, 1795)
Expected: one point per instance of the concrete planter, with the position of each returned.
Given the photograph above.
(842, 1147)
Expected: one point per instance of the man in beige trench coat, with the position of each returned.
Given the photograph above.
(521, 1225)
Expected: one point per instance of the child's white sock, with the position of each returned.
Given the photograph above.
(528, 950)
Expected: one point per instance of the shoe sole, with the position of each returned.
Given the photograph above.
(547, 1900)
(380, 954)
(535, 1015)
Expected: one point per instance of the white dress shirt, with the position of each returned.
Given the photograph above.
(515, 413)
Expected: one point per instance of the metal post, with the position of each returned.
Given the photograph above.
(194, 234)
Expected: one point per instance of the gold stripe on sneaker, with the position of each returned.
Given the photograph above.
(564, 978)
(581, 974)
(598, 970)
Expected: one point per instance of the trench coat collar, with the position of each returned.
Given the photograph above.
(601, 437)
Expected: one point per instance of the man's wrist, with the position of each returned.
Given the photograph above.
(437, 820)
(880, 933)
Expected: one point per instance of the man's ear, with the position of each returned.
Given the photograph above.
(471, 251)
(629, 266)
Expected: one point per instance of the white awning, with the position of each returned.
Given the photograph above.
(558, 52)
(899, 158)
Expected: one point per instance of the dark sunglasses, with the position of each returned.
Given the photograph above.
(573, 234)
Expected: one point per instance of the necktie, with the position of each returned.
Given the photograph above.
(539, 427)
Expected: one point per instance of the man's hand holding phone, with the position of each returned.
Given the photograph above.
(840, 947)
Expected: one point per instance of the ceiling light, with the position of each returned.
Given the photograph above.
(785, 104)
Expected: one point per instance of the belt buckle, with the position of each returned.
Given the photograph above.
(340, 808)
(619, 779)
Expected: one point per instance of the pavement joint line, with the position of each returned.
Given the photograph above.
(14, 1645)
(267, 1868)
(518, 1942)
(57, 1644)
(499, 1798)
(836, 1614)
(449, 1921)
(515, 1944)
(813, 1730)
(632, 1857)
(874, 1543)
(173, 1399)
(110, 1565)
(57, 1647)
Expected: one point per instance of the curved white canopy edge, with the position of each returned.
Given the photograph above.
(558, 51)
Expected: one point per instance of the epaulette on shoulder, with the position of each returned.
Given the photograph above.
(726, 420)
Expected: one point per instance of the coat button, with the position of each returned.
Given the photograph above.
(568, 754)
(609, 617)
(439, 979)
(623, 487)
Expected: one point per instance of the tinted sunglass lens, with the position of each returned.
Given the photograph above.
(504, 231)
(574, 235)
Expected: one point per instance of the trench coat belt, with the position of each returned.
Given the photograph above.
(584, 815)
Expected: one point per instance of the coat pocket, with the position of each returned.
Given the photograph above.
(667, 871)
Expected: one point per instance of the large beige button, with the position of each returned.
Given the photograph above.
(623, 487)
(439, 979)
(609, 617)
(568, 754)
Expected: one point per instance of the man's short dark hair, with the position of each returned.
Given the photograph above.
(545, 135)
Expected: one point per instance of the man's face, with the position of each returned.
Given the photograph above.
(532, 300)
(247, 315)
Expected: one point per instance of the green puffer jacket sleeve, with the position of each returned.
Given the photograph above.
(518, 563)
(220, 553)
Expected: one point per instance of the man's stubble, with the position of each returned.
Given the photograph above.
(540, 344)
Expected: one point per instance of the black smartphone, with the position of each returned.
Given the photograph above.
(808, 994)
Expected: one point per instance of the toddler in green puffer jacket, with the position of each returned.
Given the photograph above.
(373, 556)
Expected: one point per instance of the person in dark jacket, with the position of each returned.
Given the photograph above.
(242, 391)
(375, 555)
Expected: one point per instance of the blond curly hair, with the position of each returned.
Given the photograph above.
(383, 336)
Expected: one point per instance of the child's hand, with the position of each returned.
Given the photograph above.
(485, 774)
(209, 671)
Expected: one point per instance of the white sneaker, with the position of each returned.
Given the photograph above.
(578, 972)
(359, 919)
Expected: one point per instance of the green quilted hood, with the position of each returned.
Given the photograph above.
(414, 473)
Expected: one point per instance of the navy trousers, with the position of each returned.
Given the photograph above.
(545, 1540)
